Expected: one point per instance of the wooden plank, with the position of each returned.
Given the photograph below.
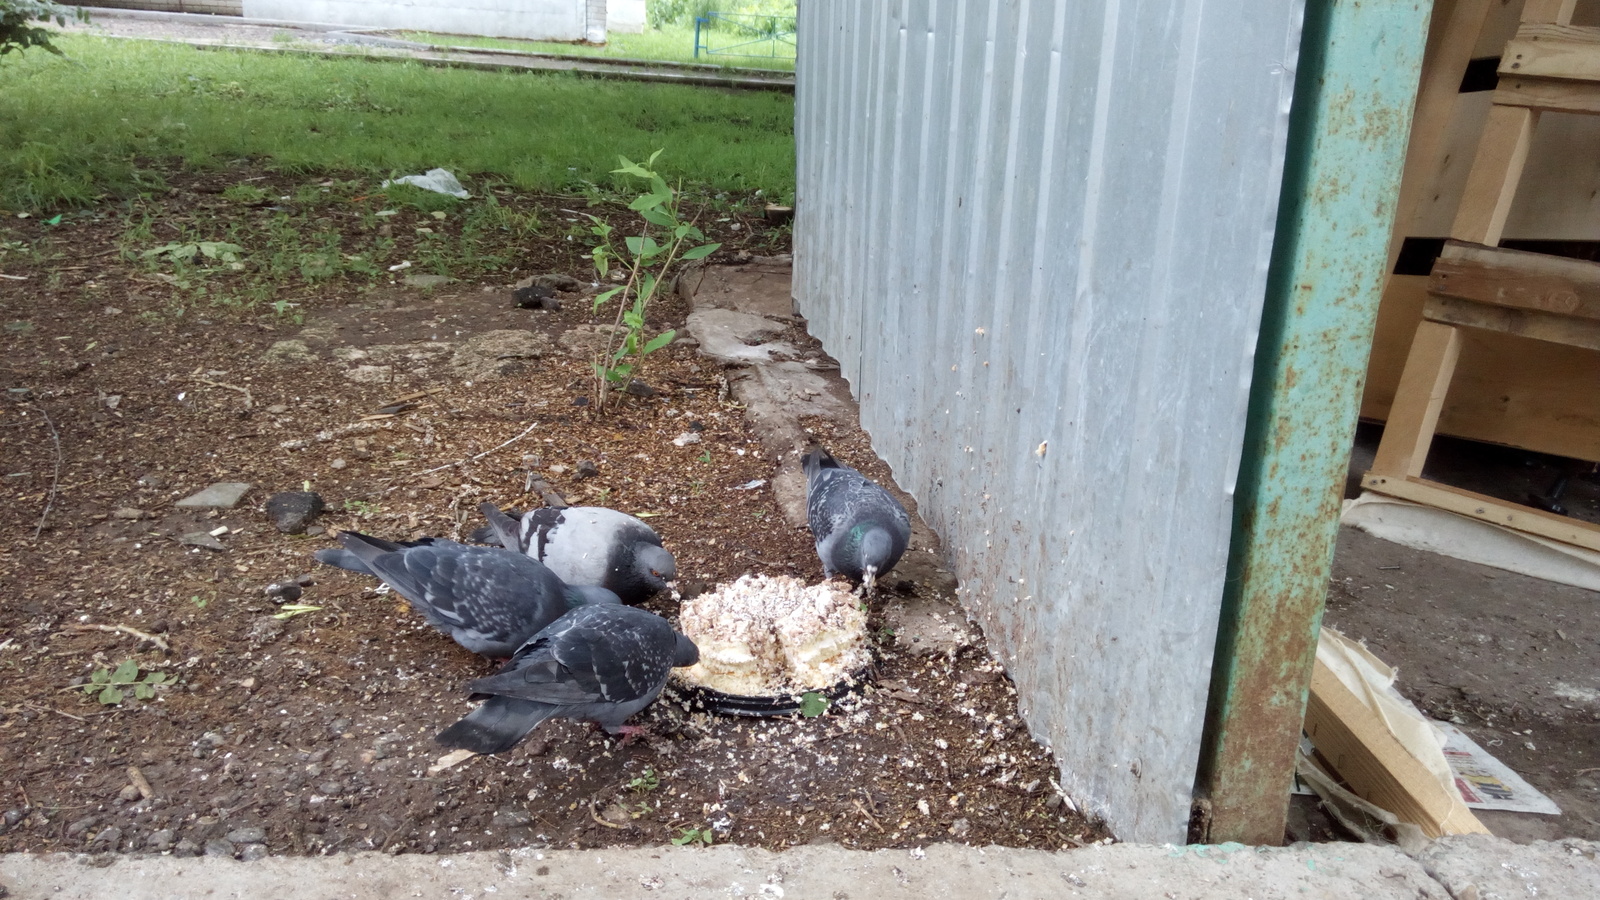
(1496, 169)
(1415, 414)
(1487, 509)
(1556, 11)
(1554, 329)
(1553, 51)
(1450, 44)
(1376, 766)
(1508, 278)
(1548, 94)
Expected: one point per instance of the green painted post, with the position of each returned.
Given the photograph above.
(1354, 91)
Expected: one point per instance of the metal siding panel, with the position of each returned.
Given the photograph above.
(1094, 186)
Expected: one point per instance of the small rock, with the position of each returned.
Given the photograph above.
(284, 591)
(153, 482)
(253, 852)
(207, 744)
(338, 464)
(12, 816)
(331, 788)
(219, 847)
(586, 469)
(222, 495)
(589, 341)
(186, 847)
(687, 438)
(108, 839)
(278, 409)
(201, 539)
(637, 388)
(306, 580)
(292, 511)
(128, 794)
(315, 530)
(371, 374)
(288, 352)
(558, 469)
(252, 834)
(553, 281)
(511, 817)
(534, 296)
(427, 281)
(129, 513)
(159, 841)
(81, 825)
(264, 630)
(959, 828)
(580, 401)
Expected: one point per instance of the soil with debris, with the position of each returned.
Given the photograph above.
(308, 728)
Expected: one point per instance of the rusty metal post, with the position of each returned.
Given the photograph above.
(1354, 89)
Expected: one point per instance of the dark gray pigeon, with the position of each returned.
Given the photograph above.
(587, 545)
(861, 531)
(598, 663)
(490, 600)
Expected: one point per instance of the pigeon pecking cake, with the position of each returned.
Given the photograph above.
(766, 636)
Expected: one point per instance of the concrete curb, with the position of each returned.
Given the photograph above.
(1476, 867)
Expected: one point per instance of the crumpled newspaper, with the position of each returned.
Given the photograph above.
(440, 181)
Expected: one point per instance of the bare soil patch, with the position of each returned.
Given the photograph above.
(313, 733)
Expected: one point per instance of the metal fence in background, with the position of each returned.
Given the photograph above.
(1035, 235)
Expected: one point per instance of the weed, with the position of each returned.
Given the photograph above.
(644, 782)
(705, 455)
(813, 704)
(692, 836)
(697, 487)
(244, 193)
(112, 685)
(198, 601)
(195, 251)
(290, 610)
(649, 263)
(362, 508)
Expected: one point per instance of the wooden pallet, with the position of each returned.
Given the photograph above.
(1549, 65)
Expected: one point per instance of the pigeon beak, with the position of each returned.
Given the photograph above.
(869, 581)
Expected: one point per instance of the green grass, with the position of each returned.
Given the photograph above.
(672, 43)
(75, 130)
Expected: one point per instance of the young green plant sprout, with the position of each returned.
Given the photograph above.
(111, 686)
(692, 836)
(649, 257)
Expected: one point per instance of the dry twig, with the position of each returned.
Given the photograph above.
(248, 400)
(596, 816)
(463, 462)
(124, 629)
(55, 477)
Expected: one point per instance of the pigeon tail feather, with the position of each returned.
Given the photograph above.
(496, 726)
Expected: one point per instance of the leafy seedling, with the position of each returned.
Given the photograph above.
(112, 685)
(691, 836)
(220, 251)
(645, 782)
(813, 704)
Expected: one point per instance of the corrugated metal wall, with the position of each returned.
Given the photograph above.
(1035, 235)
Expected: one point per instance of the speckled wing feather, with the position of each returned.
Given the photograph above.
(857, 524)
(599, 663)
(490, 600)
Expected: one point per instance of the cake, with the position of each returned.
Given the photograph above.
(772, 635)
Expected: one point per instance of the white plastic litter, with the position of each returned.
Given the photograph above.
(440, 181)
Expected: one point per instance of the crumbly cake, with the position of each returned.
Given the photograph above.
(771, 635)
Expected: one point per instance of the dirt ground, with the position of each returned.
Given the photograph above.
(125, 391)
(1513, 660)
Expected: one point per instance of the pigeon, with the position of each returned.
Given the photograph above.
(587, 545)
(490, 600)
(860, 529)
(599, 663)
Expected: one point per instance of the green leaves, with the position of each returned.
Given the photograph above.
(813, 704)
(691, 836)
(190, 251)
(649, 257)
(111, 687)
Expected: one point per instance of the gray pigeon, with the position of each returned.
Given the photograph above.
(860, 529)
(599, 663)
(587, 545)
(490, 600)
